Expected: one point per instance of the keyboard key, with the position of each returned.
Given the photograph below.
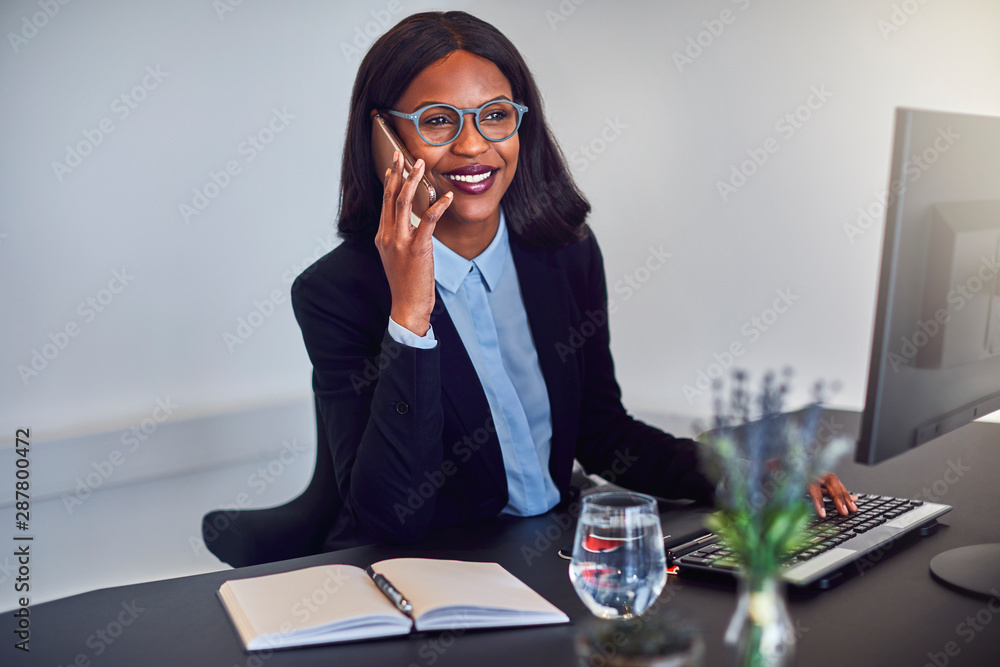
(692, 560)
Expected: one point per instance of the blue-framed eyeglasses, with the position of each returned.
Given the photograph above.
(440, 124)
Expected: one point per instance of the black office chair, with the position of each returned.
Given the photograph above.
(244, 537)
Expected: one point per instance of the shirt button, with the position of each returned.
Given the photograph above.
(402, 408)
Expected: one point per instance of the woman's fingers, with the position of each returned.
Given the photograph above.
(391, 185)
(816, 494)
(404, 200)
(842, 498)
(433, 214)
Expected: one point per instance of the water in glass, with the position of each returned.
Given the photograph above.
(618, 567)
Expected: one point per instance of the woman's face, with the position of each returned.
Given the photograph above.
(465, 81)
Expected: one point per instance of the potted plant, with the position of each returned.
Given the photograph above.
(762, 461)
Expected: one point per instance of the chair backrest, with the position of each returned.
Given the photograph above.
(298, 528)
(321, 498)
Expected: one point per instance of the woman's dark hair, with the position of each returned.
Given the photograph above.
(542, 204)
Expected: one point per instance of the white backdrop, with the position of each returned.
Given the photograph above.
(136, 269)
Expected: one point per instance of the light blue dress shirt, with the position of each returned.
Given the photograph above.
(483, 299)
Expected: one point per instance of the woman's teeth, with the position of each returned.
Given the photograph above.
(477, 178)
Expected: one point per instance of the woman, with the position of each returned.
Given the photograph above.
(461, 365)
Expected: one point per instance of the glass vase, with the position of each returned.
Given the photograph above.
(761, 632)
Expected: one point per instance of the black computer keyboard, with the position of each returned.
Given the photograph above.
(831, 543)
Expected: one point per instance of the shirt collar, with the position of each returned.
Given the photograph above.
(450, 268)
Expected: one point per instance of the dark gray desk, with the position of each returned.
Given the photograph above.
(891, 614)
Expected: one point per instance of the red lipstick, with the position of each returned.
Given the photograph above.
(472, 179)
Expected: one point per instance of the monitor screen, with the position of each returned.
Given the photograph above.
(935, 359)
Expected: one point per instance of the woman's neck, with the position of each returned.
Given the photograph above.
(467, 239)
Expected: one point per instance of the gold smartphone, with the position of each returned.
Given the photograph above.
(384, 144)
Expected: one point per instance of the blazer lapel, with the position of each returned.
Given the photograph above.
(548, 302)
(461, 387)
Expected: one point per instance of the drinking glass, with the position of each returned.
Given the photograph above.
(618, 567)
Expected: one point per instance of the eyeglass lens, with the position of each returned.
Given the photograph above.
(440, 124)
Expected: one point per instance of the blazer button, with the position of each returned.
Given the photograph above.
(402, 408)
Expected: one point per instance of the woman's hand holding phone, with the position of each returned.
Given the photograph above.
(407, 251)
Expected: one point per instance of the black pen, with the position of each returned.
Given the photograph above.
(391, 592)
(688, 547)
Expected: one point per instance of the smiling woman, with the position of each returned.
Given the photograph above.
(416, 58)
(485, 391)
(473, 411)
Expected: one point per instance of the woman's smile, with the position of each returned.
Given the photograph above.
(474, 179)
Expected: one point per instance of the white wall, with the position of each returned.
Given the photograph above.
(664, 135)
(680, 130)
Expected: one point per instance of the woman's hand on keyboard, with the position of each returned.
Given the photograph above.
(843, 500)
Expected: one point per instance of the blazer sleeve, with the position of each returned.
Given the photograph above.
(612, 443)
(379, 401)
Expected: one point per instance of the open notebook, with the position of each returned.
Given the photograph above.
(336, 603)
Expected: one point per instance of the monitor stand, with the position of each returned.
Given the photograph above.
(974, 569)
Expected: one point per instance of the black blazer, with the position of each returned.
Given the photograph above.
(410, 430)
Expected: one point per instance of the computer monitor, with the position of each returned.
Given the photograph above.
(935, 359)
